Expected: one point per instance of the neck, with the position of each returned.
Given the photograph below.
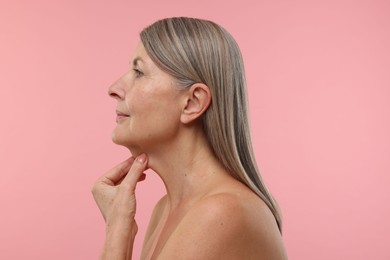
(187, 166)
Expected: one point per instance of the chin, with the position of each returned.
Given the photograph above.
(134, 149)
(116, 139)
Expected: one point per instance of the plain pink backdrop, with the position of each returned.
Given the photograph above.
(319, 90)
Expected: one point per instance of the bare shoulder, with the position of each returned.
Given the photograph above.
(231, 224)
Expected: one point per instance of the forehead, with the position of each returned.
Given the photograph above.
(140, 52)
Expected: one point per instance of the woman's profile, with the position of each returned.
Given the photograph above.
(182, 112)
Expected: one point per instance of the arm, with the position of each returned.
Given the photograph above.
(119, 241)
(153, 223)
(114, 194)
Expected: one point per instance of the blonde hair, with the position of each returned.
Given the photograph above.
(200, 51)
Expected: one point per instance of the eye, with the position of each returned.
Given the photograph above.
(138, 73)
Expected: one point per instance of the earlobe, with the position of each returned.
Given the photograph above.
(198, 100)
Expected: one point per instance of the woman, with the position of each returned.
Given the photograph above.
(182, 112)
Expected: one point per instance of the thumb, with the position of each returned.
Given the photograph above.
(114, 175)
(136, 171)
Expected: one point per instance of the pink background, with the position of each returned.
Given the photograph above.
(319, 91)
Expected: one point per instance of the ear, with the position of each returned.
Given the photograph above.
(197, 100)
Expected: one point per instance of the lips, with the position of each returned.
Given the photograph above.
(119, 113)
(121, 116)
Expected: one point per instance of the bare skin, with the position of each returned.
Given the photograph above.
(229, 222)
(206, 213)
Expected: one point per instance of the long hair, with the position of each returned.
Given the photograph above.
(200, 51)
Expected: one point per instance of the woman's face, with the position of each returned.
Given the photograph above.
(151, 101)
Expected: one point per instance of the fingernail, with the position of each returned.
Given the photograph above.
(141, 158)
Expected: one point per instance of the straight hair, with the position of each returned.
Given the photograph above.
(201, 51)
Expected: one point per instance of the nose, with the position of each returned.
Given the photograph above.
(116, 90)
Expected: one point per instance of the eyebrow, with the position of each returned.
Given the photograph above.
(136, 60)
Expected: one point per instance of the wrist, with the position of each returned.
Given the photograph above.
(122, 228)
(119, 241)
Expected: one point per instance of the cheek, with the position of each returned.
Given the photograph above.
(160, 115)
(151, 103)
(160, 121)
(135, 100)
(154, 111)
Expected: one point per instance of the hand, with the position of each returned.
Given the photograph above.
(114, 192)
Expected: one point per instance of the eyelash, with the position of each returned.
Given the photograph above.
(138, 73)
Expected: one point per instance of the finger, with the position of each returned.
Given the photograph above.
(135, 172)
(118, 172)
(142, 177)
